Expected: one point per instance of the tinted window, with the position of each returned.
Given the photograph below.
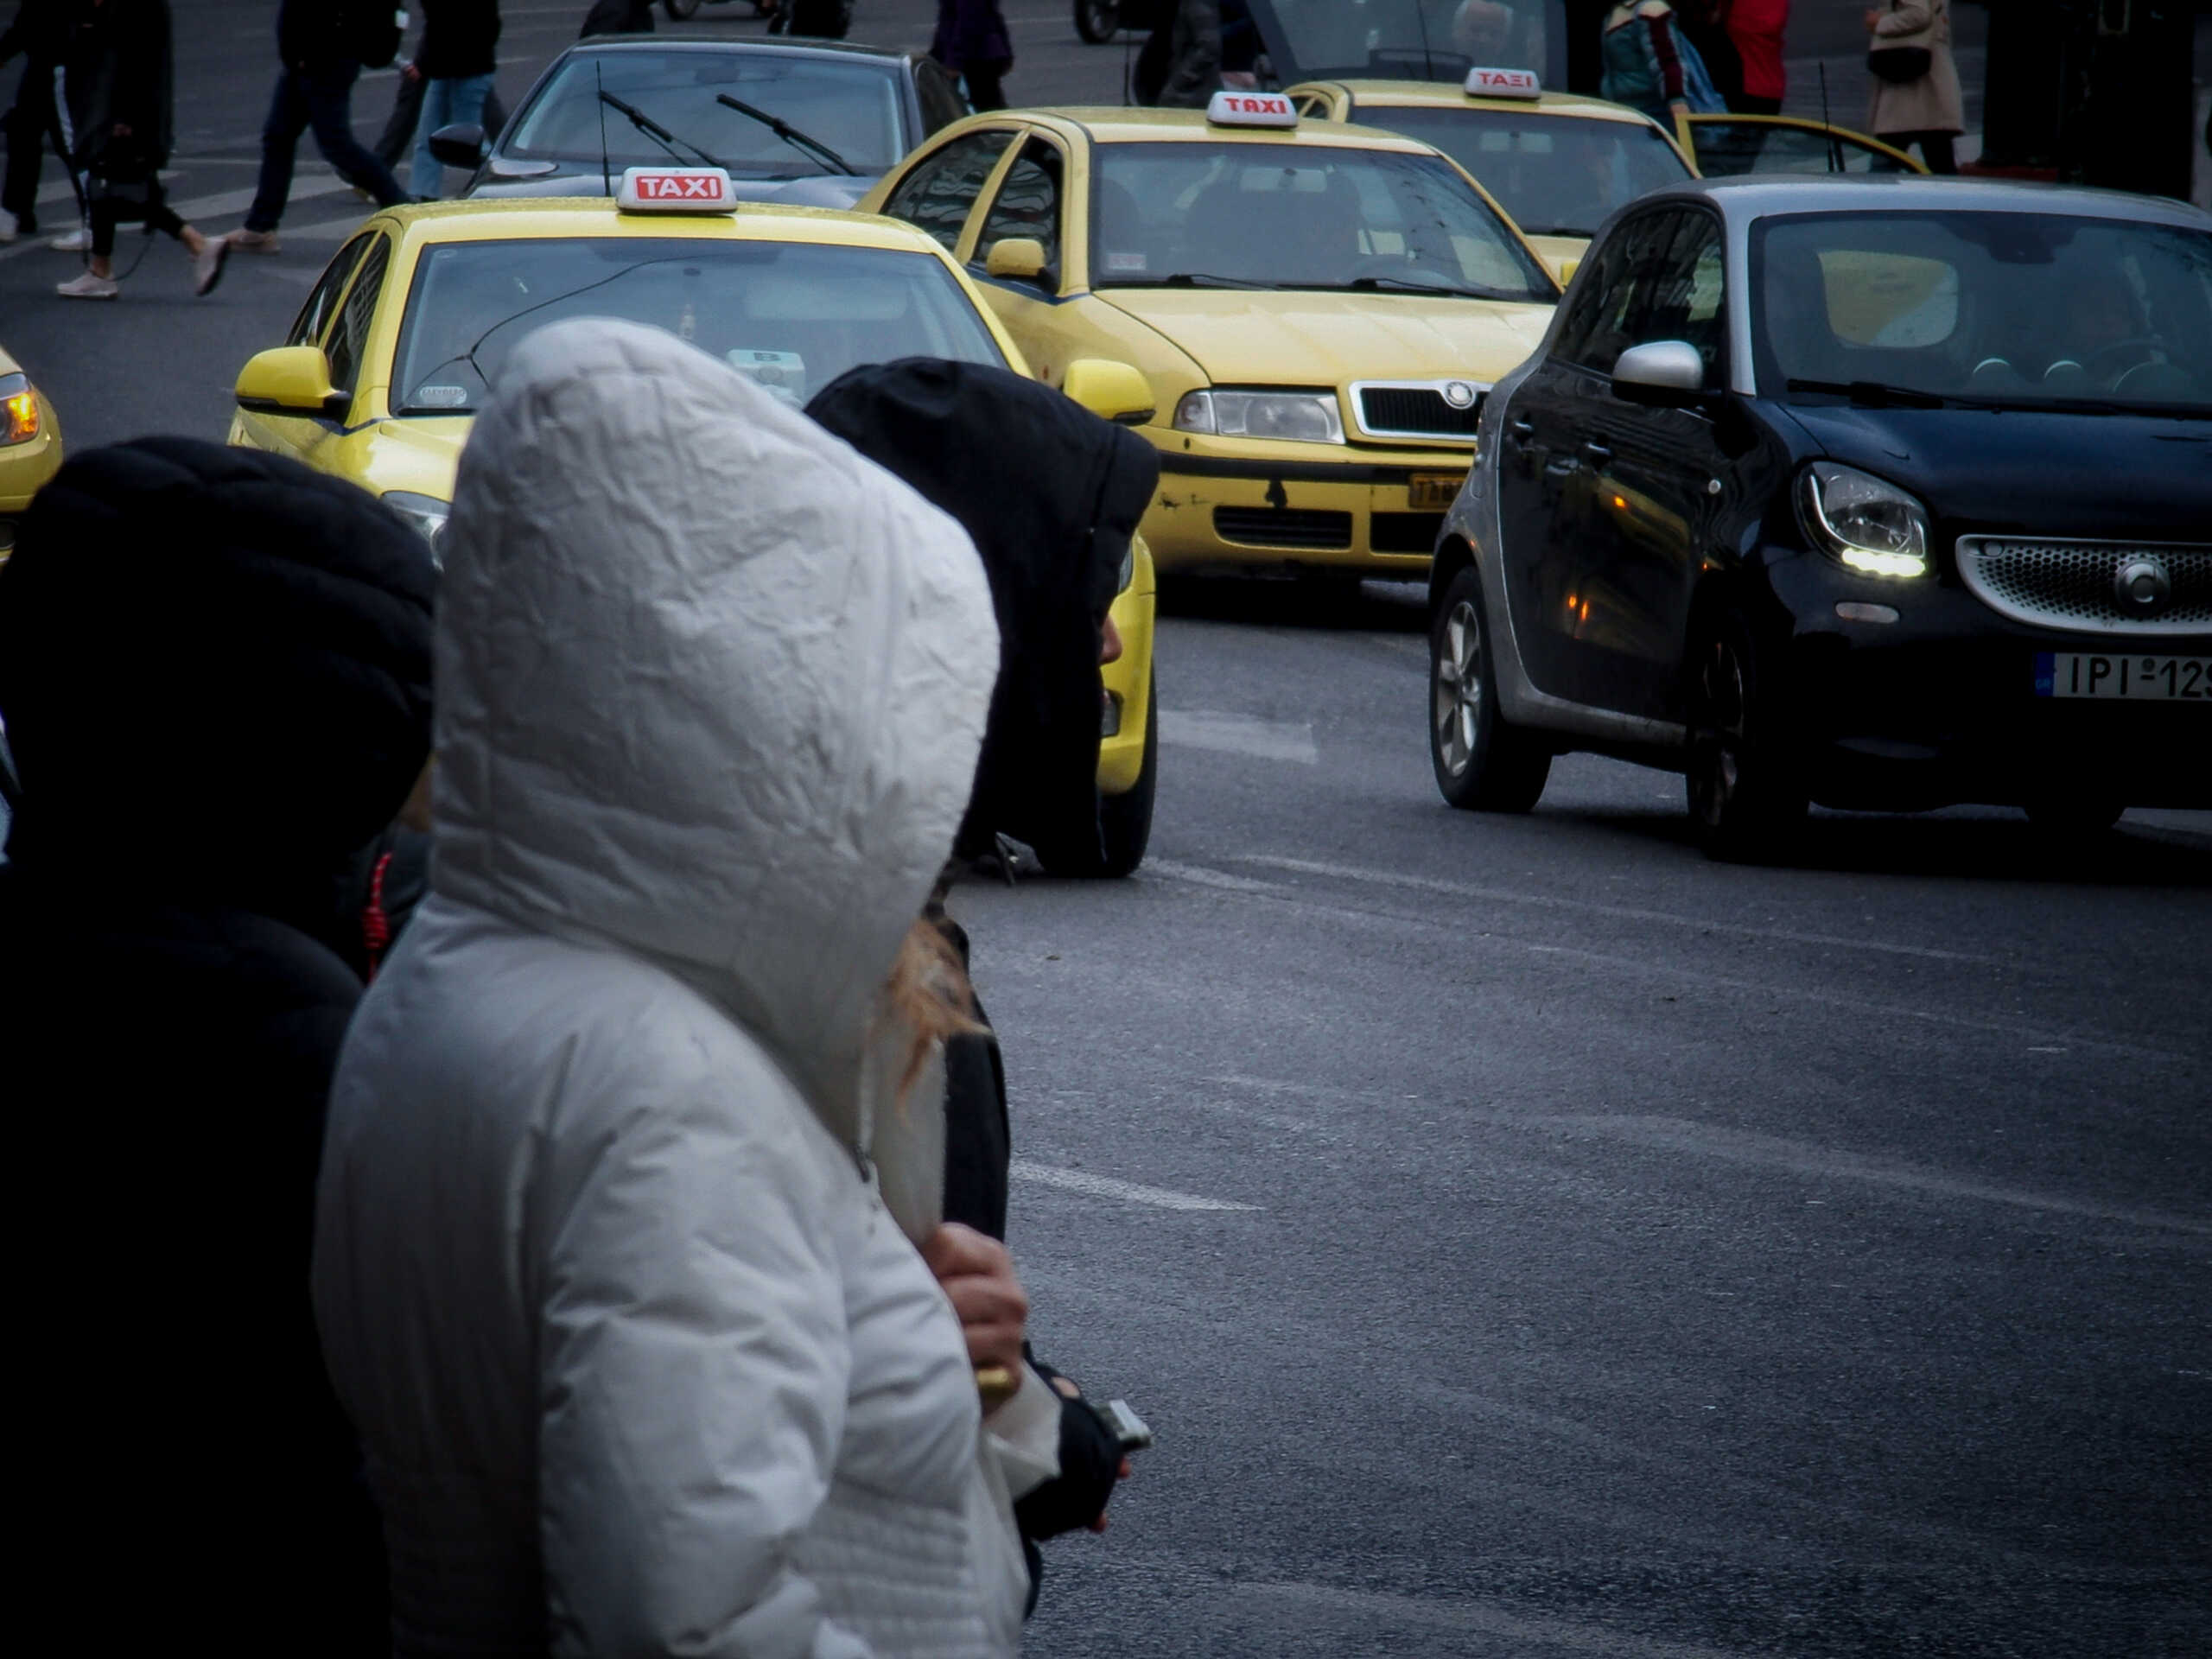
(1725, 147)
(2022, 309)
(938, 94)
(1028, 203)
(792, 316)
(851, 106)
(315, 315)
(1557, 176)
(1685, 301)
(1404, 40)
(1636, 265)
(351, 337)
(1290, 216)
(940, 192)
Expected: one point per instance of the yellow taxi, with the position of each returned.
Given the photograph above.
(1319, 310)
(31, 445)
(379, 379)
(1558, 162)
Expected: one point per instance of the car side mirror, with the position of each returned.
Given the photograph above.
(459, 145)
(1017, 259)
(1666, 373)
(1112, 391)
(291, 380)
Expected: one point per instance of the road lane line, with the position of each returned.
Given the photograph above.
(1105, 1187)
(1372, 1610)
(1198, 876)
(1224, 734)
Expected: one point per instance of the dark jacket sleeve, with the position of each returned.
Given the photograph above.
(1090, 1462)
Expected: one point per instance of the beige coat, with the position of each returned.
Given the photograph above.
(1932, 104)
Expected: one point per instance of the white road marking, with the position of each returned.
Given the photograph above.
(1261, 739)
(1198, 876)
(1105, 1187)
(329, 229)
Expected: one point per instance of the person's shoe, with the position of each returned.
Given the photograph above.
(9, 228)
(207, 265)
(89, 287)
(76, 241)
(254, 241)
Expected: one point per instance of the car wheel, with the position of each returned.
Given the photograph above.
(1124, 820)
(1096, 21)
(1482, 762)
(1746, 800)
(2075, 816)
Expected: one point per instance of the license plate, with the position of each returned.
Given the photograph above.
(2139, 679)
(1434, 491)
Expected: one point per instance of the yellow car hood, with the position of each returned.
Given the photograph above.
(1306, 338)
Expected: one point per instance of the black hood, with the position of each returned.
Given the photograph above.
(214, 669)
(1051, 495)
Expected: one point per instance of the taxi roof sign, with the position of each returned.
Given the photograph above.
(1233, 109)
(1503, 83)
(675, 190)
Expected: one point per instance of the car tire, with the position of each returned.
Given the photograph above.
(1097, 21)
(1482, 762)
(1124, 820)
(1746, 800)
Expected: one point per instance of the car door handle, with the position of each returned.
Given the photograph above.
(1523, 431)
(1596, 454)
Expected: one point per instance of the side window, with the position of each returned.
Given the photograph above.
(1313, 106)
(938, 193)
(1028, 202)
(1635, 262)
(315, 315)
(1685, 300)
(351, 336)
(937, 94)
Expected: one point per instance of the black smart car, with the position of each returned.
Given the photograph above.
(1883, 493)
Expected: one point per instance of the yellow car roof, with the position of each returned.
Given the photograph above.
(1109, 125)
(1443, 95)
(561, 217)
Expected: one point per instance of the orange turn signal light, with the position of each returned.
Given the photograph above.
(22, 418)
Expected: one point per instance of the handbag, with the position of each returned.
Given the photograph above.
(1898, 65)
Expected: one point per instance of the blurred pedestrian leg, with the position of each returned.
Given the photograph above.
(445, 103)
(314, 91)
(456, 60)
(38, 35)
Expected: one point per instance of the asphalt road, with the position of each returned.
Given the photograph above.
(1525, 1238)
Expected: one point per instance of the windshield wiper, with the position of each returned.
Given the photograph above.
(1407, 284)
(792, 135)
(1873, 394)
(1194, 279)
(654, 129)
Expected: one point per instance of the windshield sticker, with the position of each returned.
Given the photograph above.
(1127, 262)
(440, 398)
(782, 373)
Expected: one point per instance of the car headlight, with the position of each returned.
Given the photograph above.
(425, 512)
(1863, 522)
(1305, 416)
(18, 409)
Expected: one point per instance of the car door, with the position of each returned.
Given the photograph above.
(938, 193)
(1031, 201)
(1545, 478)
(1729, 144)
(344, 344)
(290, 435)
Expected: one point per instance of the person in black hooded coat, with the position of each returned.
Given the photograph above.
(215, 676)
(1051, 496)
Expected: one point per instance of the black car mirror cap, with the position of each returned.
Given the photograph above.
(1667, 372)
(459, 145)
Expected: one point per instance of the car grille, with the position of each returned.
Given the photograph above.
(1417, 410)
(1404, 532)
(1282, 527)
(2070, 584)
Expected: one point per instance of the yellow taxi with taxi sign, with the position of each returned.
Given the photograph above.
(1559, 162)
(381, 373)
(30, 446)
(1317, 309)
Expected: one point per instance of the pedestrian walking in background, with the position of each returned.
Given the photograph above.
(1704, 24)
(1757, 28)
(618, 17)
(1194, 56)
(40, 35)
(1647, 65)
(397, 141)
(972, 42)
(638, 1362)
(1916, 97)
(123, 107)
(457, 59)
(215, 675)
(323, 45)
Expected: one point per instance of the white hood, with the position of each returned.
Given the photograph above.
(746, 757)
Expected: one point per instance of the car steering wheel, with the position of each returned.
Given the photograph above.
(2107, 363)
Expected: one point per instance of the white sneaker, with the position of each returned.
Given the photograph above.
(76, 241)
(245, 241)
(89, 287)
(207, 265)
(8, 227)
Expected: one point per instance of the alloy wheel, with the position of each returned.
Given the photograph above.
(1457, 705)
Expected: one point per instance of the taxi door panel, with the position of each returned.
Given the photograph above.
(296, 436)
(1030, 200)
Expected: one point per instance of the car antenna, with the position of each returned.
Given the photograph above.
(1427, 63)
(1827, 124)
(606, 174)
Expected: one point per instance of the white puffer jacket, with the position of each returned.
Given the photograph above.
(640, 1363)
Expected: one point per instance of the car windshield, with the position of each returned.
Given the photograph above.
(1725, 147)
(792, 316)
(851, 107)
(1401, 39)
(2016, 310)
(1558, 175)
(1292, 216)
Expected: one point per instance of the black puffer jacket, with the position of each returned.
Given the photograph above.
(120, 72)
(459, 38)
(214, 670)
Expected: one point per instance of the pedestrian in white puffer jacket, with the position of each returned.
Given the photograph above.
(640, 1363)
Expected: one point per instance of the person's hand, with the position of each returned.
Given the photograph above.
(123, 130)
(1067, 1389)
(411, 72)
(979, 1281)
(1871, 18)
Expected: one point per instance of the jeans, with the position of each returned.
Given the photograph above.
(445, 103)
(320, 98)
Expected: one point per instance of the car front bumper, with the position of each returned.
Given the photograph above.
(1941, 705)
(1127, 680)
